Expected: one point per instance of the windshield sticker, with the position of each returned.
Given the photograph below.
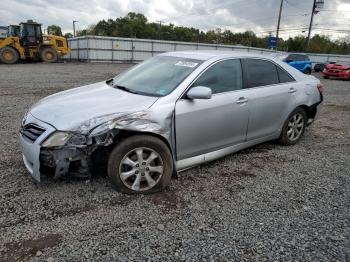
(161, 92)
(186, 64)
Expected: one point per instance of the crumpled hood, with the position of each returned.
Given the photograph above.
(68, 109)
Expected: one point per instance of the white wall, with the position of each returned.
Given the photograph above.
(117, 49)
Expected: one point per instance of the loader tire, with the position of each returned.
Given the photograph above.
(48, 55)
(8, 55)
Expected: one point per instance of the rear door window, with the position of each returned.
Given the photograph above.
(260, 73)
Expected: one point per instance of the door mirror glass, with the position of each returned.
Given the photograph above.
(199, 92)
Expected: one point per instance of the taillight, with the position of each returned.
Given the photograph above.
(320, 88)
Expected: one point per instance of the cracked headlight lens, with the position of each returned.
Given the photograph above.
(57, 139)
(64, 138)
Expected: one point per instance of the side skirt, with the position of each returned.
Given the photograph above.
(187, 163)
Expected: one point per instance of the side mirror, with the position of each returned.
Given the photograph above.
(199, 92)
(289, 60)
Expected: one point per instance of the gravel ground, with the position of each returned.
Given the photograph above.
(268, 202)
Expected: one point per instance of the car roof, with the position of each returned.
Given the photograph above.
(209, 54)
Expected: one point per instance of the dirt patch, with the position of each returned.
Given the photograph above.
(167, 200)
(325, 132)
(123, 201)
(238, 173)
(234, 189)
(262, 148)
(73, 211)
(337, 108)
(25, 249)
(330, 128)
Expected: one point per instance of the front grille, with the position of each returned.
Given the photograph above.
(32, 132)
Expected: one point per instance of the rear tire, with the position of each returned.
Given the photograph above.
(307, 71)
(140, 164)
(294, 127)
(8, 55)
(326, 77)
(48, 55)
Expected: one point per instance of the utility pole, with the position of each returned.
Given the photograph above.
(74, 21)
(316, 7)
(160, 29)
(278, 23)
(310, 26)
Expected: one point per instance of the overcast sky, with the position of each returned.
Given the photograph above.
(236, 15)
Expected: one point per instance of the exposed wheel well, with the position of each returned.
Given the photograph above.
(309, 110)
(99, 158)
(127, 133)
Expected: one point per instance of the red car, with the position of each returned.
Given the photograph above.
(336, 71)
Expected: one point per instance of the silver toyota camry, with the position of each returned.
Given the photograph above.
(169, 113)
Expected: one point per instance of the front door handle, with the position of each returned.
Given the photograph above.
(292, 90)
(242, 100)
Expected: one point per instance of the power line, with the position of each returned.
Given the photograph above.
(286, 30)
(204, 26)
(292, 5)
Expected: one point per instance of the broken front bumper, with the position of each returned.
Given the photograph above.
(31, 143)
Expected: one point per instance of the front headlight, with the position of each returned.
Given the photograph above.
(64, 138)
(57, 139)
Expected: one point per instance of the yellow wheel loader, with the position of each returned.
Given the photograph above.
(27, 41)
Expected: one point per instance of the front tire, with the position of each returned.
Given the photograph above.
(48, 55)
(294, 127)
(140, 164)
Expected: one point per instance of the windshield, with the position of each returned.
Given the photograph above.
(157, 76)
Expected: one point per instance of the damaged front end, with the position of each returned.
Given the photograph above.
(75, 152)
(74, 156)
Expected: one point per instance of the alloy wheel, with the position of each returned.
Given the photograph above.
(295, 127)
(141, 169)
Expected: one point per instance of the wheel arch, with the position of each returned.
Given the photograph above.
(123, 134)
(309, 110)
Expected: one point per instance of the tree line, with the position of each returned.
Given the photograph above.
(136, 25)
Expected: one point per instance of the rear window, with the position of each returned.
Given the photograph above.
(307, 58)
(283, 76)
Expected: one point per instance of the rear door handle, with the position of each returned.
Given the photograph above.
(242, 100)
(292, 90)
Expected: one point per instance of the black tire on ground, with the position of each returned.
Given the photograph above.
(288, 125)
(48, 55)
(123, 149)
(8, 55)
(326, 77)
(307, 71)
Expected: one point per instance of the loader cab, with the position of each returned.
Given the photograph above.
(13, 31)
(30, 34)
(3, 32)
